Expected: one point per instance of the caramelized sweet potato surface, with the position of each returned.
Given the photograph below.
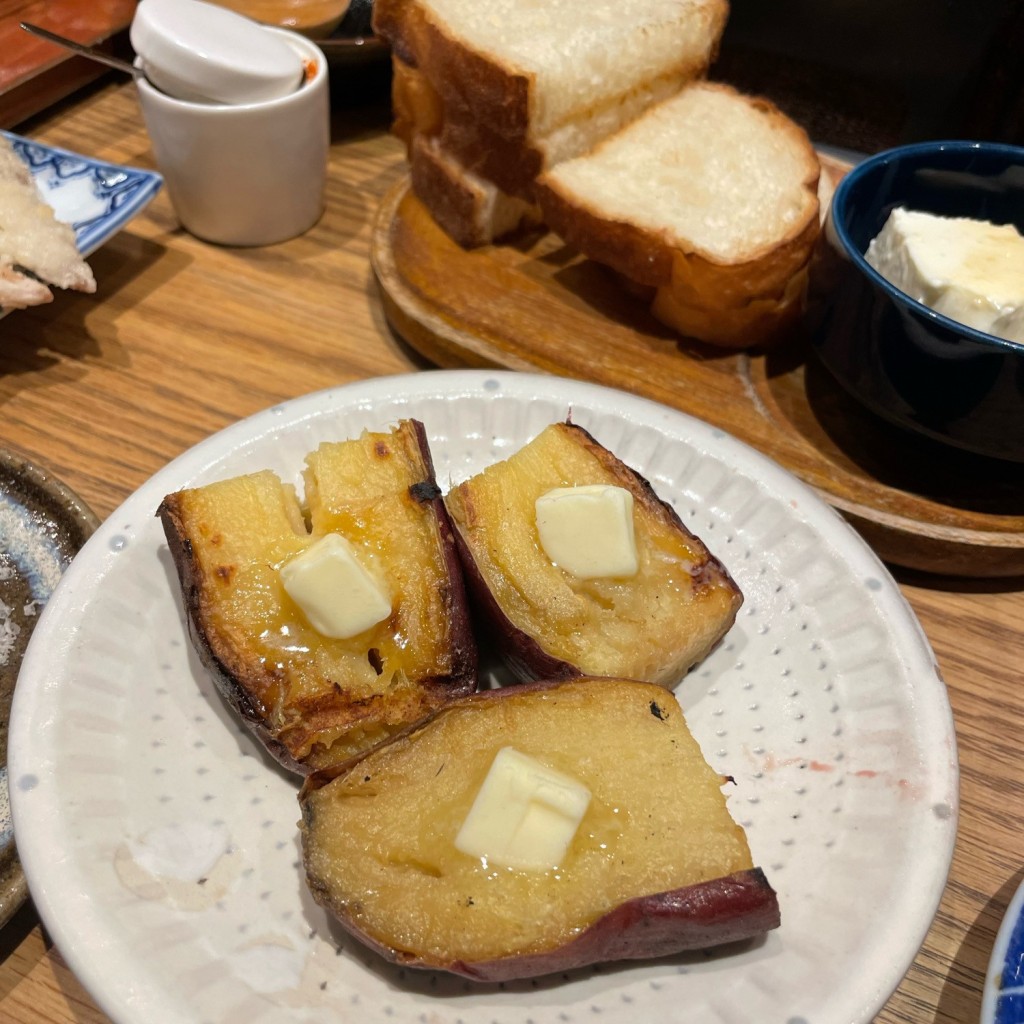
(313, 699)
(657, 864)
(653, 626)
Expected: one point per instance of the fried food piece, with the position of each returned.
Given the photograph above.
(36, 249)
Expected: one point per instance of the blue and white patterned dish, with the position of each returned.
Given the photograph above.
(97, 199)
(1003, 999)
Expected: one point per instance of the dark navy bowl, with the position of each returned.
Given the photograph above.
(906, 363)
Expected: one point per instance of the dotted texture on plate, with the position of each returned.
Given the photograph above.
(180, 896)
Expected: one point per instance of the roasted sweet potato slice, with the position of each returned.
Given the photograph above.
(314, 699)
(655, 865)
(652, 626)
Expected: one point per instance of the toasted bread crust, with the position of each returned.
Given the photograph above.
(470, 209)
(419, 112)
(456, 202)
(462, 77)
(637, 254)
(738, 302)
(416, 106)
(513, 166)
(482, 89)
(736, 322)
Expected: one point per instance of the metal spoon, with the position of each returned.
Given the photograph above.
(86, 51)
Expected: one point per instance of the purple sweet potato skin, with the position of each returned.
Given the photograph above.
(521, 652)
(724, 910)
(700, 916)
(730, 909)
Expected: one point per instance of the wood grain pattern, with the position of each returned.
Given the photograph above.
(184, 338)
(536, 305)
(34, 73)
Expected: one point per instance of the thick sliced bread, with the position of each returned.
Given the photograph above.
(531, 71)
(419, 112)
(416, 106)
(711, 198)
(467, 204)
(486, 97)
(468, 207)
(512, 164)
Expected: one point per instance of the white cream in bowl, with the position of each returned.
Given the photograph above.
(969, 270)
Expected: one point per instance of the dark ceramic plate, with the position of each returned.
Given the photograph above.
(42, 526)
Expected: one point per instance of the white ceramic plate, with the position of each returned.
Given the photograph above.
(161, 846)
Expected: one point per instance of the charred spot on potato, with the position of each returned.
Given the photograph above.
(705, 576)
(657, 711)
(375, 660)
(425, 490)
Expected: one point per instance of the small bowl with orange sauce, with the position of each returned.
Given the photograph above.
(341, 28)
(315, 19)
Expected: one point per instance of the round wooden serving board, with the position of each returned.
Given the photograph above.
(538, 305)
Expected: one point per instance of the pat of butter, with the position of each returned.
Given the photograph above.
(588, 530)
(525, 814)
(969, 270)
(336, 592)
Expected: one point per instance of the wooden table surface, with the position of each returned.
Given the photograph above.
(183, 338)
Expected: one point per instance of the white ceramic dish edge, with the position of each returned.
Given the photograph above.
(68, 929)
